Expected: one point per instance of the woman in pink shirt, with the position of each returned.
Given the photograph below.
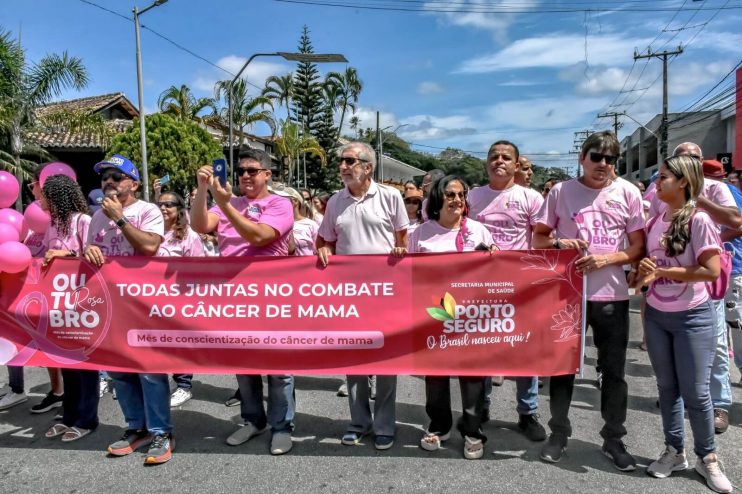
(413, 202)
(683, 255)
(449, 230)
(65, 237)
(304, 233)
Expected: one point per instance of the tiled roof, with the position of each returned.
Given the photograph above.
(91, 103)
(51, 140)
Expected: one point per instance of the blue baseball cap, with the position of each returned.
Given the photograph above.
(121, 163)
(95, 199)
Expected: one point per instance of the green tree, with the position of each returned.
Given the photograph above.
(246, 110)
(349, 88)
(354, 123)
(293, 144)
(307, 104)
(281, 90)
(181, 104)
(175, 147)
(25, 87)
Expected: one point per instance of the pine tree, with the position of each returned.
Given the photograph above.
(307, 103)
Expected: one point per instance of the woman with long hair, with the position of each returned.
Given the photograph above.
(413, 203)
(180, 241)
(683, 255)
(65, 237)
(304, 233)
(449, 230)
(319, 201)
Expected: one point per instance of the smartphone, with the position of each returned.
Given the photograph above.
(220, 170)
(165, 180)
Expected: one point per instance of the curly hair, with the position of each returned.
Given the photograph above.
(180, 228)
(64, 198)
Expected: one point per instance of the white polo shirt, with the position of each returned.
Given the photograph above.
(364, 225)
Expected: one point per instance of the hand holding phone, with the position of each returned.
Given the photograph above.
(220, 170)
(165, 180)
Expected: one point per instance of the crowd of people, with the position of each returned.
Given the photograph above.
(667, 244)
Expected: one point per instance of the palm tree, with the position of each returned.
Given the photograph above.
(246, 111)
(349, 89)
(293, 143)
(280, 89)
(354, 123)
(180, 103)
(24, 88)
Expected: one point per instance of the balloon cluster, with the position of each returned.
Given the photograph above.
(14, 226)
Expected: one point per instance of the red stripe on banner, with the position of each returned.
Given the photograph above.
(512, 313)
(737, 155)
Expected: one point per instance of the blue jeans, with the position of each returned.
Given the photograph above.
(721, 390)
(15, 379)
(526, 394)
(734, 316)
(184, 381)
(681, 348)
(145, 400)
(281, 402)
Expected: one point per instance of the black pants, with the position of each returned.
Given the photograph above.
(81, 397)
(610, 323)
(438, 405)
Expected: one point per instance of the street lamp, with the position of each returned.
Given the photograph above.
(292, 57)
(142, 136)
(381, 148)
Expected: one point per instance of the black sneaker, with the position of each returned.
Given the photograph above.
(485, 415)
(531, 427)
(616, 451)
(554, 448)
(50, 401)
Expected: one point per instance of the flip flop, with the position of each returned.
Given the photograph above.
(75, 433)
(56, 430)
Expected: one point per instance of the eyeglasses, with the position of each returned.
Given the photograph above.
(410, 200)
(167, 204)
(350, 161)
(598, 157)
(114, 175)
(251, 172)
(450, 195)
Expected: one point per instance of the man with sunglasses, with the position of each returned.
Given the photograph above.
(126, 226)
(604, 217)
(509, 210)
(365, 218)
(256, 223)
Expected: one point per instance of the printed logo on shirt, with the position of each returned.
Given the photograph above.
(253, 209)
(663, 289)
(512, 205)
(613, 204)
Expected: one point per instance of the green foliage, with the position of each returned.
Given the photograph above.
(180, 103)
(307, 102)
(174, 147)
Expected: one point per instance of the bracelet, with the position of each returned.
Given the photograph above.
(72, 253)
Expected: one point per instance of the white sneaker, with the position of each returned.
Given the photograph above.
(12, 399)
(179, 397)
(473, 448)
(343, 389)
(103, 387)
(710, 469)
(669, 461)
(281, 443)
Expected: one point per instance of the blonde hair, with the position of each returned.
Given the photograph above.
(676, 237)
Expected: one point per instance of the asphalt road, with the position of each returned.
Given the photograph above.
(30, 463)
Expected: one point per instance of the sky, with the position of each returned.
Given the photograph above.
(444, 73)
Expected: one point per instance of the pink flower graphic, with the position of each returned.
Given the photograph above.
(567, 322)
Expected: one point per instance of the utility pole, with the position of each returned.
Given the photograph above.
(379, 151)
(616, 124)
(580, 137)
(663, 128)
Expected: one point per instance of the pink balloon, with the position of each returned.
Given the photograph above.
(14, 257)
(16, 220)
(8, 233)
(57, 169)
(9, 189)
(36, 218)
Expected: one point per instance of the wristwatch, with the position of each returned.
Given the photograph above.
(121, 222)
(556, 244)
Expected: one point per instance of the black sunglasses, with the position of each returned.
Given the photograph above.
(168, 204)
(350, 161)
(251, 172)
(598, 157)
(450, 195)
(115, 175)
(411, 200)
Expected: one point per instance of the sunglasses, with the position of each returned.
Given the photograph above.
(350, 161)
(412, 201)
(114, 175)
(598, 157)
(450, 195)
(167, 204)
(251, 172)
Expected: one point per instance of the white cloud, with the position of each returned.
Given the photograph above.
(427, 88)
(555, 51)
(477, 16)
(540, 113)
(427, 127)
(256, 73)
(520, 83)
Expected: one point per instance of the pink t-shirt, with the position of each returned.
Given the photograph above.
(272, 210)
(432, 237)
(75, 240)
(412, 226)
(675, 296)
(508, 214)
(604, 218)
(35, 243)
(104, 233)
(713, 190)
(190, 246)
(305, 237)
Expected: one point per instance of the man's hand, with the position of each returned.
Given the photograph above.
(94, 255)
(157, 187)
(572, 243)
(112, 207)
(399, 251)
(221, 195)
(52, 253)
(324, 253)
(592, 262)
(204, 176)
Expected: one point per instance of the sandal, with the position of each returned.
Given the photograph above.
(432, 441)
(75, 433)
(56, 430)
(473, 448)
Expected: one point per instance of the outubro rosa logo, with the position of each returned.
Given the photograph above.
(472, 318)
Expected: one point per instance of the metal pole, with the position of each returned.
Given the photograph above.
(380, 170)
(584, 320)
(663, 146)
(231, 137)
(142, 130)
